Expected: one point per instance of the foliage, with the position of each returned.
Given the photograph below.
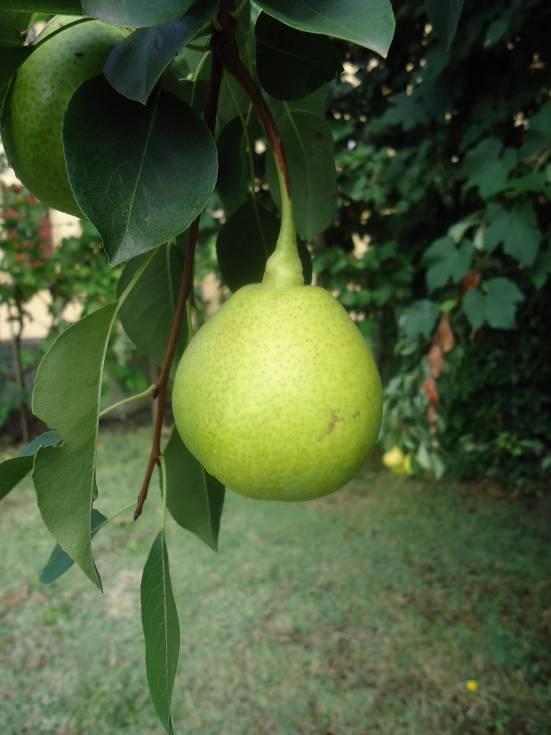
(445, 181)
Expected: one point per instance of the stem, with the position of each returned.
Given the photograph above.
(283, 268)
(186, 284)
(164, 488)
(136, 397)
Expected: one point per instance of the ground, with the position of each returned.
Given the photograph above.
(375, 611)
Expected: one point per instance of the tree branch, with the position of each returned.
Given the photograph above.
(186, 284)
(225, 47)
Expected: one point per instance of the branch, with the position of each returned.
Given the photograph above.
(186, 284)
(225, 47)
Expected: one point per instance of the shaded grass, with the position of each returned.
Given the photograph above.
(364, 613)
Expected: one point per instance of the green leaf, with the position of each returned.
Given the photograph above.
(369, 24)
(419, 319)
(292, 64)
(67, 396)
(13, 470)
(246, 241)
(161, 630)
(148, 311)
(138, 13)
(141, 174)
(474, 306)
(310, 157)
(496, 307)
(59, 561)
(539, 273)
(444, 16)
(57, 7)
(516, 228)
(502, 299)
(446, 261)
(195, 498)
(234, 177)
(487, 166)
(135, 65)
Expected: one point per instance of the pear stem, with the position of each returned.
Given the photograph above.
(283, 268)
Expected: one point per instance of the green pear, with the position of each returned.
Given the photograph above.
(67, 55)
(278, 395)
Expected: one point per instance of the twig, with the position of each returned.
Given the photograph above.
(186, 284)
(226, 48)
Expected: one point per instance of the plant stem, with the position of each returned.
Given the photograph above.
(186, 284)
(136, 397)
(283, 268)
(164, 488)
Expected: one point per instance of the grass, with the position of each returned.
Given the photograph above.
(365, 613)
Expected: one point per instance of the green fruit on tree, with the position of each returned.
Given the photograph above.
(33, 115)
(278, 395)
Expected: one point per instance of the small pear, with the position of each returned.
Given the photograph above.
(278, 395)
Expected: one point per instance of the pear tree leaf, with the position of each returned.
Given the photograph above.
(148, 311)
(195, 499)
(161, 630)
(53, 7)
(516, 228)
(419, 320)
(368, 24)
(446, 261)
(444, 16)
(292, 64)
(309, 148)
(136, 14)
(234, 176)
(245, 243)
(141, 174)
(13, 470)
(66, 396)
(59, 561)
(136, 63)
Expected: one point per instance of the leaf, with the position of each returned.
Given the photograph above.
(195, 498)
(502, 298)
(136, 63)
(138, 13)
(369, 24)
(10, 60)
(446, 261)
(60, 562)
(517, 229)
(292, 64)
(419, 319)
(141, 174)
(310, 157)
(161, 630)
(13, 470)
(67, 396)
(55, 7)
(496, 307)
(234, 176)
(148, 311)
(539, 273)
(487, 166)
(473, 306)
(444, 16)
(246, 241)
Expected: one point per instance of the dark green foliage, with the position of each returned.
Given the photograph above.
(450, 167)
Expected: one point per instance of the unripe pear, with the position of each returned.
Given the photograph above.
(278, 395)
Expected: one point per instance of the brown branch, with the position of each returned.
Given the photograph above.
(186, 285)
(225, 47)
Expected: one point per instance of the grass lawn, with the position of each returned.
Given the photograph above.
(365, 613)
